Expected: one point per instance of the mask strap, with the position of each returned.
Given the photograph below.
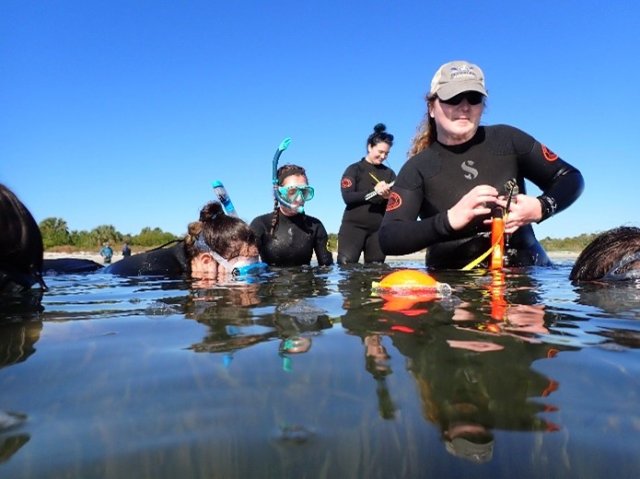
(613, 274)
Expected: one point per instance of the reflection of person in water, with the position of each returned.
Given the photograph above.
(17, 342)
(297, 322)
(469, 394)
(472, 363)
(228, 314)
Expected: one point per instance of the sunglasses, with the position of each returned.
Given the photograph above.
(293, 193)
(472, 97)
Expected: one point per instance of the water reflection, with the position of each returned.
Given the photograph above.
(308, 372)
(470, 356)
(17, 343)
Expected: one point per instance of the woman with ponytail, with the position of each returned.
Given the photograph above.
(215, 246)
(287, 236)
(366, 186)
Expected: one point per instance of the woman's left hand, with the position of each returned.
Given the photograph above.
(523, 210)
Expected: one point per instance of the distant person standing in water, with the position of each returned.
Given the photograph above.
(126, 251)
(106, 252)
(366, 186)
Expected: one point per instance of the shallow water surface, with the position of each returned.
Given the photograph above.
(306, 374)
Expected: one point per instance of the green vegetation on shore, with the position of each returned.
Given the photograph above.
(57, 237)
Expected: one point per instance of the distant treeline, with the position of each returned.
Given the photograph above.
(574, 243)
(56, 235)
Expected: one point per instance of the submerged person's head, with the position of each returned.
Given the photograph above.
(379, 144)
(21, 247)
(455, 104)
(613, 255)
(217, 244)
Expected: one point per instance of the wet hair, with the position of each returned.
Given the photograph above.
(380, 135)
(226, 235)
(284, 172)
(610, 256)
(21, 247)
(426, 132)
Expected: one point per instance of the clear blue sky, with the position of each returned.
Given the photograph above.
(123, 112)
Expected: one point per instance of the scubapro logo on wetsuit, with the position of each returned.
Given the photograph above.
(467, 166)
(548, 154)
(394, 202)
(346, 182)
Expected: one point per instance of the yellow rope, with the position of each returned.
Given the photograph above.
(480, 258)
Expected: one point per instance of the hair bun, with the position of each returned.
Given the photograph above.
(379, 128)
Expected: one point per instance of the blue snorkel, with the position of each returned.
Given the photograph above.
(284, 144)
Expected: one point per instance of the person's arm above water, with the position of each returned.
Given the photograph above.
(561, 183)
(323, 255)
(350, 196)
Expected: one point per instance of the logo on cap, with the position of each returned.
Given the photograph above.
(462, 72)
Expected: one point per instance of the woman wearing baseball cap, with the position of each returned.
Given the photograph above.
(459, 174)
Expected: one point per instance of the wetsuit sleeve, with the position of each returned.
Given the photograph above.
(348, 187)
(561, 183)
(401, 232)
(259, 229)
(323, 255)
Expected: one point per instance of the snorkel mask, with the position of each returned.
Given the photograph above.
(242, 268)
(288, 195)
(616, 273)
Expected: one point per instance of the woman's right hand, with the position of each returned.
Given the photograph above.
(477, 202)
(383, 189)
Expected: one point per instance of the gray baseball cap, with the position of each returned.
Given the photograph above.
(456, 77)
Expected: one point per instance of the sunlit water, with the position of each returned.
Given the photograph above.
(306, 374)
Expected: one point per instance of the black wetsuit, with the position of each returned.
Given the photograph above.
(435, 179)
(362, 218)
(169, 262)
(294, 240)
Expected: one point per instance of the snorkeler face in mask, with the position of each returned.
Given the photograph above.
(211, 265)
(293, 193)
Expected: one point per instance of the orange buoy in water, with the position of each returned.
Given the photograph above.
(404, 288)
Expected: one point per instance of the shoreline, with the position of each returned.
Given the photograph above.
(554, 255)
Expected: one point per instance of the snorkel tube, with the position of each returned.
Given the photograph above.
(284, 144)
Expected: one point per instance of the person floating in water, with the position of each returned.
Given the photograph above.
(288, 236)
(106, 252)
(215, 247)
(459, 173)
(365, 186)
(611, 256)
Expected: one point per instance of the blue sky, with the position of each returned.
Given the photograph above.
(123, 112)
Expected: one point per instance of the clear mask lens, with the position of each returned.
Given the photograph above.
(295, 193)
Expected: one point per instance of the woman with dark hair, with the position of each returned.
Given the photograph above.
(459, 174)
(288, 236)
(215, 246)
(366, 186)
(21, 246)
(612, 256)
